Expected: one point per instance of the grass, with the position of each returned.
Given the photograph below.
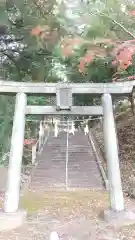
(65, 203)
(69, 205)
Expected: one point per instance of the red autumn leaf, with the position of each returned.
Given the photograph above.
(68, 45)
(131, 78)
(29, 141)
(88, 58)
(132, 13)
(66, 51)
(125, 65)
(114, 62)
(81, 66)
(36, 31)
(124, 56)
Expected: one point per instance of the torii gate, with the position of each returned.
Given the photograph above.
(11, 216)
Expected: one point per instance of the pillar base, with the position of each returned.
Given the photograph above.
(10, 221)
(119, 219)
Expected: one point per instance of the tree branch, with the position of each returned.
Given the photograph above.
(39, 9)
(117, 23)
(15, 63)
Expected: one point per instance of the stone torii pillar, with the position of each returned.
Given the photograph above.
(117, 214)
(12, 217)
(111, 154)
(56, 130)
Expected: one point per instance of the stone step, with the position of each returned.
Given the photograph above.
(83, 171)
(48, 175)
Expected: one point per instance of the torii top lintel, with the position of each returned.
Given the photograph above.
(119, 88)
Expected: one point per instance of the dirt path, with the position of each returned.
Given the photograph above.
(74, 215)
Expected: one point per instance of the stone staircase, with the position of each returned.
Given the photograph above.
(83, 171)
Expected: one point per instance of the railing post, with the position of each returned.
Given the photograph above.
(86, 129)
(54, 236)
(111, 151)
(41, 135)
(15, 160)
(56, 128)
(72, 130)
(34, 153)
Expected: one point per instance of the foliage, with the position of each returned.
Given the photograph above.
(21, 58)
(50, 41)
(24, 59)
(107, 44)
(52, 48)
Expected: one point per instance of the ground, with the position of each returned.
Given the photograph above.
(74, 215)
